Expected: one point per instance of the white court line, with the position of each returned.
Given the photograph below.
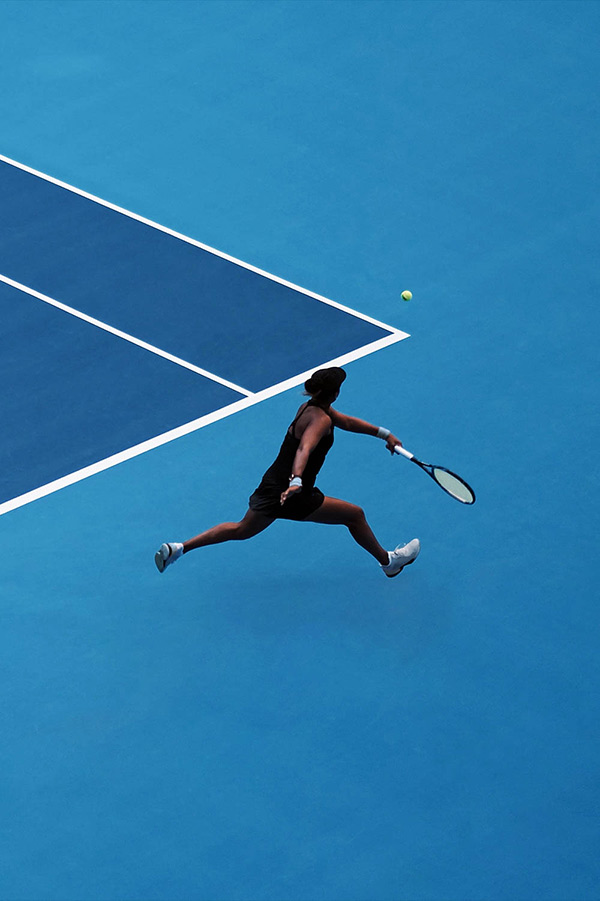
(196, 424)
(218, 253)
(250, 399)
(124, 335)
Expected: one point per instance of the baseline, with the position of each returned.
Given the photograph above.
(187, 428)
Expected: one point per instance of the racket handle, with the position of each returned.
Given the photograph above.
(403, 451)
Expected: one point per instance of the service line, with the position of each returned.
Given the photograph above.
(124, 335)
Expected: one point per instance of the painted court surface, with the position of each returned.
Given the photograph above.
(274, 719)
(115, 275)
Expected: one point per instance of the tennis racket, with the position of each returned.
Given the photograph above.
(447, 480)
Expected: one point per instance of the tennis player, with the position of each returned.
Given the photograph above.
(287, 489)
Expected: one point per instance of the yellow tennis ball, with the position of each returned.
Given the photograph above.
(406, 295)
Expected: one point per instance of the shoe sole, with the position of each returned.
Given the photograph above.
(161, 562)
(393, 575)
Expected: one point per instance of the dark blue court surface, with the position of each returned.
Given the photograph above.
(79, 394)
(87, 395)
(239, 325)
(274, 720)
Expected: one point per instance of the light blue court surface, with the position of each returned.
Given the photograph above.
(274, 719)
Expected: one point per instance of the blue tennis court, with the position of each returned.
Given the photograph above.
(202, 203)
(114, 275)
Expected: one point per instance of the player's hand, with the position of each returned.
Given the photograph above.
(293, 489)
(391, 443)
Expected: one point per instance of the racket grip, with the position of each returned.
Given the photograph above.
(403, 451)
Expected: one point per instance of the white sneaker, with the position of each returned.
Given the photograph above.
(167, 554)
(401, 557)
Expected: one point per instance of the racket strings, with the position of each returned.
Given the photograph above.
(454, 485)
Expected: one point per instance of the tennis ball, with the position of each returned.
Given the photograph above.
(406, 295)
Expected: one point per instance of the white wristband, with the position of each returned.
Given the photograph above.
(296, 481)
(383, 433)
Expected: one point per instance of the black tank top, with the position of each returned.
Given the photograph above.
(278, 474)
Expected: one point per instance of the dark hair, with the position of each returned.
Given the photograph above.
(324, 383)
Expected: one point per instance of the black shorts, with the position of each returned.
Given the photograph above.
(297, 507)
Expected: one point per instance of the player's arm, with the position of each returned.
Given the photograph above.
(311, 436)
(362, 427)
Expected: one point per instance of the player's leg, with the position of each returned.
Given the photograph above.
(335, 512)
(248, 527)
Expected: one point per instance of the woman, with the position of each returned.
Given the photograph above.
(287, 489)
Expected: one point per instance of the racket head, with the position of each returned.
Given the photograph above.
(452, 484)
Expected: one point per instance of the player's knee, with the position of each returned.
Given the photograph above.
(242, 530)
(238, 531)
(357, 514)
